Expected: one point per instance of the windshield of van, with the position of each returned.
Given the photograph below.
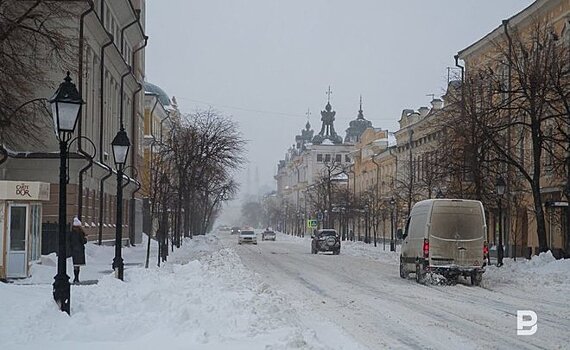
(457, 220)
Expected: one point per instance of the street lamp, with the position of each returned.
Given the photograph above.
(567, 192)
(366, 225)
(392, 207)
(163, 232)
(66, 107)
(439, 194)
(121, 145)
(500, 187)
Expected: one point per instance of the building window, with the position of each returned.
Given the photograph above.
(347, 158)
(338, 158)
(327, 158)
(319, 157)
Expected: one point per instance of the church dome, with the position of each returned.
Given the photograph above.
(162, 96)
(357, 126)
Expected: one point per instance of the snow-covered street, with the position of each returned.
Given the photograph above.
(361, 291)
(216, 294)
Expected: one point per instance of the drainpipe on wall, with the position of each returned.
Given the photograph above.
(138, 15)
(79, 124)
(128, 72)
(460, 67)
(135, 21)
(134, 137)
(507, 230)
(133, 109)
(101, 129)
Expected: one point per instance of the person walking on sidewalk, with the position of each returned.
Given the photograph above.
(78, 238)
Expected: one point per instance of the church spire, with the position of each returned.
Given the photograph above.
(357, 126)
(360, 113)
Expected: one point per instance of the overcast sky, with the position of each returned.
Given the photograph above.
(265, 62)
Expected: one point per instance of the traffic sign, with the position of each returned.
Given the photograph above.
(312, 223)
(320, 216)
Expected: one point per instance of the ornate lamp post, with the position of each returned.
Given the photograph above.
(163, 232)
(66, 107)
(392, 207)
(500, 187)
(567, 193)
(121, 145)
(366, 225)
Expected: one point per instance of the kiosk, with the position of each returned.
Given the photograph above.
(20, 226)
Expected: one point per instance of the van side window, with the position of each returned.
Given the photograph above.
(417, 225)
(407, 229)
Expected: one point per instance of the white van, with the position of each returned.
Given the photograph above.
(445, 236)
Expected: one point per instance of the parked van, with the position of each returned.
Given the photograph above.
(445, 236)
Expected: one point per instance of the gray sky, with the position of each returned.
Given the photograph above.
(266, 61)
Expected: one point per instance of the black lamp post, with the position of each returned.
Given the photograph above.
(366, 225)
(500, 187)
(121, 145)
(163, 232)
(66, 107)
(567, 190)
(392, 207)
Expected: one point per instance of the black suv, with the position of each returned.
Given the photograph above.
(325, 240)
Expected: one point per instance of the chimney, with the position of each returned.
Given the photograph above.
(423, 111)
(436, 103)
(404, 119)
(407, 112)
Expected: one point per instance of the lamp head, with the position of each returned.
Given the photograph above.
(500, 186)
(66, 107)
(121, 145)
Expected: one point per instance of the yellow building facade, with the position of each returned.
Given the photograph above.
(520, 225)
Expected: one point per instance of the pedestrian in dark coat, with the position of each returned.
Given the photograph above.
(78, 238)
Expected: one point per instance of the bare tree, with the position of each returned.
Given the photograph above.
(515, 106)
(205, 151)
(36, 38)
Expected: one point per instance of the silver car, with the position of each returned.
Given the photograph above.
(247, 236)
(268, 235)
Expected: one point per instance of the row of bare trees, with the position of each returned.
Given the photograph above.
(192, 174)
(330, 199)
(510, 118)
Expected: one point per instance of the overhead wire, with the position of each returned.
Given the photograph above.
(268, 113)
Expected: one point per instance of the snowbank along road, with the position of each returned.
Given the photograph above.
(360, 290)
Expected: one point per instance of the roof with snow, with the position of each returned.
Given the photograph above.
(155, 89)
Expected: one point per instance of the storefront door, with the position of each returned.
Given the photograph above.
(17, 233)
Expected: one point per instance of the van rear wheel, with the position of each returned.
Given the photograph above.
(403, 272)
(420, 274)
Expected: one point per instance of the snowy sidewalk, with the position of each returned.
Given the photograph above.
(213, 302)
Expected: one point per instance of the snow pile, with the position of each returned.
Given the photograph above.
(370, 251)
(214, 302)
(543, 270)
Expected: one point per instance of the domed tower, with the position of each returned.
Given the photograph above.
(327, 129)
(356, 127)
(305, 137)
(162, 96)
